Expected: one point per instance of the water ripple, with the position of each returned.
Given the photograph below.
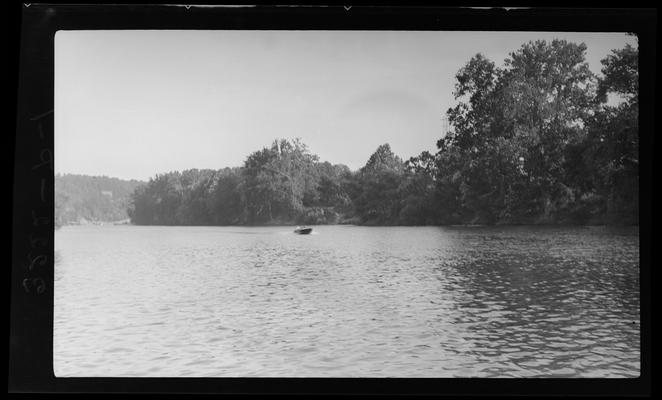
(349, 302)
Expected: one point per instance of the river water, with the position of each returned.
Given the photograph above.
(346, 301)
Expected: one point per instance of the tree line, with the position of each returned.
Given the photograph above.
(80, 199)
(532, 142)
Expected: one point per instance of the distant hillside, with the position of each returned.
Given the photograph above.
(81, 199)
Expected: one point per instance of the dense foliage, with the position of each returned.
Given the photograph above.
(531, 142)
(535, 141)
(283, 183)
(83, 199)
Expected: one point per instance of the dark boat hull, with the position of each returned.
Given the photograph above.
(304, 231)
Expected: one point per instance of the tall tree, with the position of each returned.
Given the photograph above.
(511, 126)
(276, 180)
(613, 143)
(378, 199)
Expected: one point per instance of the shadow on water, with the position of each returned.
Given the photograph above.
(545, 302)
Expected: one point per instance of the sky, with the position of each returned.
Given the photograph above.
(131, 104)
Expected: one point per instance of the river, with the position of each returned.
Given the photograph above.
(346, 301)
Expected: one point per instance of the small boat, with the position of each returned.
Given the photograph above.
(302, 230)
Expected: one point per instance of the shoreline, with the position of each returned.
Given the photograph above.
(121, 223)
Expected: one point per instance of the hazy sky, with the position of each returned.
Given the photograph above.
(130, 104)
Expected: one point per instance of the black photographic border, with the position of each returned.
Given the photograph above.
(31, 273)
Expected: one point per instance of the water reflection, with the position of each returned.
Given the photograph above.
(350, 301)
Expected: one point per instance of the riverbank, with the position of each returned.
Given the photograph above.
(85, 222)
(352, 223)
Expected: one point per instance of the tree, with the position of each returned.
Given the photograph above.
(510, 128)
(225, 198)
(612, 145)
(196, 189)
(158, 202)
(377, 196)
(276, 180)
(621, 74)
